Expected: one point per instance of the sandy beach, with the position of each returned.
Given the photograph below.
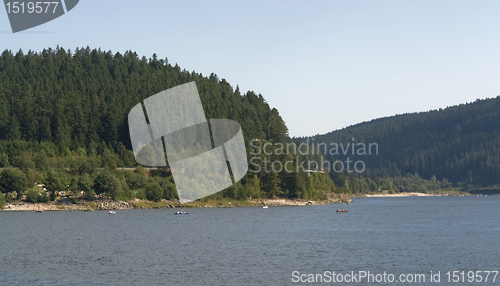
(406, 195)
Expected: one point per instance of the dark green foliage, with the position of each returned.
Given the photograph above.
(276, 175)
(107, 183)
(31, 176)
(83, 97)
(126, 156)
(460, 144)
(13, 180)
(34, 196)
(252, 187)
(4, 160)
(169, 189)
(85, 184)
(141, 194)
(2, 200)
(24, 161)
(154, 191)
(126, 194)
(87, 165)
(110, 164)
(63, 115)
(54, 183)
(134, 180)
(43, 198)
(41, 161)
(101, 180)
(114, 188)
(236, 191)
(90, 195)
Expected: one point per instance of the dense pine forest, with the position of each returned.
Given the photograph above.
(63, 123)
(454, 147)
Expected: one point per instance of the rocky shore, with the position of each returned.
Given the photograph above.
(108, 204)
(101, 204)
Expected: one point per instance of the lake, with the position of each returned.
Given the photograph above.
(407, 236)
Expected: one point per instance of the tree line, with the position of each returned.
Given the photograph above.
(459, 145)
(63, 123)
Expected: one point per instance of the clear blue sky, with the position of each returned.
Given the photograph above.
(324, 65)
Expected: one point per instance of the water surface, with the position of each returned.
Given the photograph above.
(235, 246)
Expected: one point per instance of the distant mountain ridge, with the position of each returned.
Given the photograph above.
(460, 143)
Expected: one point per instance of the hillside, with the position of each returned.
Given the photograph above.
(459, 143)
(80, 98)
(64, 124)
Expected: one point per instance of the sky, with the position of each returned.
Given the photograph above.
(324, 65)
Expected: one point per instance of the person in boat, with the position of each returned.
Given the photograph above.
(88, 208)
(182, 212)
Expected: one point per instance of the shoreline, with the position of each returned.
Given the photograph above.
(65, 204)
(107, 204)
(412, 194)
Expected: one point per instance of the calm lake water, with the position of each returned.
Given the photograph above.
(236, 246)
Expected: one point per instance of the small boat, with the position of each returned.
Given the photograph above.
(265, 207)
(342, 211)
(181, 213)
(87, 210)
(39, 211)
(112, 212)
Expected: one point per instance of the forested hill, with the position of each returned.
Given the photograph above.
(64, 123)
(460, 143)
(81, 98)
